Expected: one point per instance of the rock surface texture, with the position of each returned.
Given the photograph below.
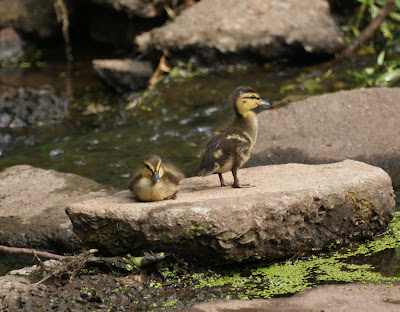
(292, 207)
(328, 298)
(359, 124)
(257, 28)
(11, 44)
(32, 207)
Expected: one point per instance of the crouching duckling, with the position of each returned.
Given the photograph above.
(156, 180)
(230, 147)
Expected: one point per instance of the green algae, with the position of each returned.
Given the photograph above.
(293, 276)
(196, 230)
(171, 303)
(176, 283)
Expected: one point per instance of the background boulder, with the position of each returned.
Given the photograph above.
(214, 29)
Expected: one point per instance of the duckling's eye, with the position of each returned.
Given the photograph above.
(148, 167)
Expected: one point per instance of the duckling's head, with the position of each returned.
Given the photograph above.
(152, 168)
(245, 99)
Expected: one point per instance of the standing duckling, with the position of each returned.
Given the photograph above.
(230, 147)
(156, 180)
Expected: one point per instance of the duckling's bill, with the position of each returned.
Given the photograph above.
(155, 177)
(264, 103)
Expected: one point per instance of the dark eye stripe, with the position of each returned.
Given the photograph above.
(148, 167)
(252, 97)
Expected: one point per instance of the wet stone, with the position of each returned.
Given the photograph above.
(293, 207)
(124, 75)
(27, 107)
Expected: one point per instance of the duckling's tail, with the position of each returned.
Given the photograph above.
(202, 172)
(207, 167)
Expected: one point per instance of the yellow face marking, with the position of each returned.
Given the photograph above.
(218, 153)
(148, 169)
(158, 166)
(246, 102)
(160, 171)
(236, 137)
(149, 166)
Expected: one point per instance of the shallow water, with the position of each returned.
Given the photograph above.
(173, 121)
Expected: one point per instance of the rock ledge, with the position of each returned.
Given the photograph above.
(292, 207)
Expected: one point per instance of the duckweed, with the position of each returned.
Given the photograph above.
(170, 303)
(176, 283)
(290, 277)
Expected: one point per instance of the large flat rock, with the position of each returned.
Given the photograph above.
(32, 207)
(359, 124)
(292, 207)
(212, 30)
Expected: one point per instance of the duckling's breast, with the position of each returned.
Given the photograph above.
(147, 190)
(249, 127)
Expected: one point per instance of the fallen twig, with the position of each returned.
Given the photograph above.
(42, 254)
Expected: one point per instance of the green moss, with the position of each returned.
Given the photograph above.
(155, 284)
(196, 230)
(290, 277)
(184, 283)
(171, 303)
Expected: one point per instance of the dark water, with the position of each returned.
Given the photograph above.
(173, 121)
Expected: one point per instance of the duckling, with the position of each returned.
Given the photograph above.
(156, 180)
(230, 147)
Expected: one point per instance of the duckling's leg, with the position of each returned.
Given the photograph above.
(221, 179)
(236, 183)
(173, 196)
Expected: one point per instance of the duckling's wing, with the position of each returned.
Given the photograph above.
(208, 164)
(173, 174)
(174, 178)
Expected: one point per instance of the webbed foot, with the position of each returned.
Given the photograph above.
(236, 183)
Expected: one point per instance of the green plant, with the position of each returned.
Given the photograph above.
(367, 12)
(383, 74)
(386, 71)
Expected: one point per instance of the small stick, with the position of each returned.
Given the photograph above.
(43, 254)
